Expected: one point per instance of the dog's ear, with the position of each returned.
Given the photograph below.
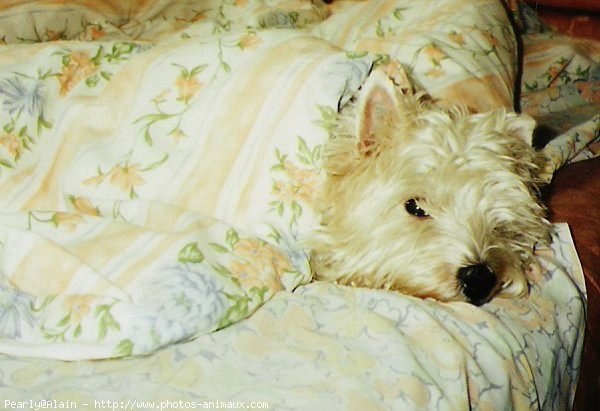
(522, 127)
(540, 167)
(378, 110)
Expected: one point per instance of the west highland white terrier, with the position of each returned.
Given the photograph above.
(428, 200)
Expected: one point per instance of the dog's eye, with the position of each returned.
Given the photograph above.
(413, 208)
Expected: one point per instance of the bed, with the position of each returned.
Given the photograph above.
(158, 166)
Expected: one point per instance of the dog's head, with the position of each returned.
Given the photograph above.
(429, 201)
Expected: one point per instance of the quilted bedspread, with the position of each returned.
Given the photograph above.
(159, 161)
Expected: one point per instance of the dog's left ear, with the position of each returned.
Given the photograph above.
(522, 127)
(378, 110)
(541, 168)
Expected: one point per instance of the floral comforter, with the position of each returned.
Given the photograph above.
(158, 164)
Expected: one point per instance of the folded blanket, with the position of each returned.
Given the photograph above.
(159, 161)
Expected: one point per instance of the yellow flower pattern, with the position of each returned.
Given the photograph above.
(79, 67)
(12, 144)
(187, 88)
(259, 264)
(160, 163)
(249, 41)
(67, 221)
(435, 54)
(78, 307)
(84, 206)
(126, 178)
(296, 185)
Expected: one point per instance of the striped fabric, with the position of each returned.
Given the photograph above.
(159, 163)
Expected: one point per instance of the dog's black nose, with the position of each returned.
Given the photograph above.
(477, 282)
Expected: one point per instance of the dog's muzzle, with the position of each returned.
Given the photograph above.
(477, 283)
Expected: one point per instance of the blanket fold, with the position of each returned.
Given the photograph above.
(159, 164)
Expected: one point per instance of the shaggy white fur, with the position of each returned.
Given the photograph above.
(430, 201)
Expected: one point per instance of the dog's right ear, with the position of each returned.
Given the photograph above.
(378, 111)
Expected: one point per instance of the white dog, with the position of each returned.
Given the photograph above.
(429, 201)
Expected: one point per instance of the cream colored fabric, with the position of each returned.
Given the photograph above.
(158, 163)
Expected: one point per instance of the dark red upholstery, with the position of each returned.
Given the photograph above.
(579, 18)
(574, 197)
